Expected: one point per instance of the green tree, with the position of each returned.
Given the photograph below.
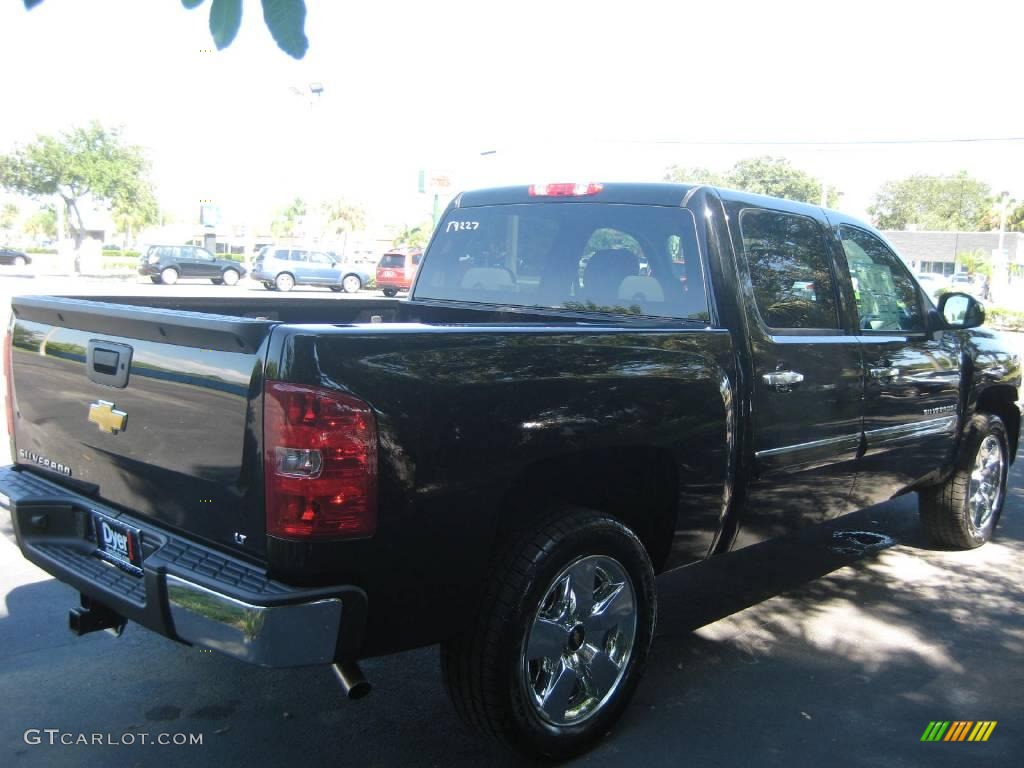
(8, 217)
(775, 176)
(414, 237)
(1003, 205)
(134, 210)
(764, 175)
(42, 222)
(694, 175)
(1015, 219)
(286, 20)
(92, 163)
(944, 203)
(975, 262)
(286, 222)
(341, 216)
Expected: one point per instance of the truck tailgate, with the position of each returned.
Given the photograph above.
(154, 411)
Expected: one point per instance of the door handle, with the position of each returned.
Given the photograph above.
(883, 374)
(783, 381)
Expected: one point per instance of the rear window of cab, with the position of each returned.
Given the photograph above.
(583, 257)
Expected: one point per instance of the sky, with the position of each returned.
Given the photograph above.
(550, 91)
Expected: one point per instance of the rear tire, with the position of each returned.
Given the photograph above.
(216, 281)
(230, 277)
(284, 282)
(561, 639)
(351, 284)
(169, 276)
(963, 512)
(269, 285)
(390, 292)
(19, 261)
(155, 279)
(335, 288)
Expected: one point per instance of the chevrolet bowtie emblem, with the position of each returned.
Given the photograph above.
(103, 415)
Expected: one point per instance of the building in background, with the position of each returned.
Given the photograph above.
(936, 252)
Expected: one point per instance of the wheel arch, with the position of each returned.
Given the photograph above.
(637, 485)
(1001, 400)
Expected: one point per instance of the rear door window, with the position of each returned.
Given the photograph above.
(582, 257)
(790, 270)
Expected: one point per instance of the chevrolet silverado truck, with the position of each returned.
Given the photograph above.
(589, 385)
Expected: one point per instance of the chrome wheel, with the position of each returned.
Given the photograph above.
(169, 276)
(580, 642)
(230, 277)
(351, 283)
(986, 487)
(284, 282)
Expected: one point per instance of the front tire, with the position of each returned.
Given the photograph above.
(169, 276)
(562, 638)
(351, 284)
(230, 277)
(19, 261)
(963, 512)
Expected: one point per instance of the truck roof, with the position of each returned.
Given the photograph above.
(641, 193)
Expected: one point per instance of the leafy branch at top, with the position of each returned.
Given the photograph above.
(286, 20)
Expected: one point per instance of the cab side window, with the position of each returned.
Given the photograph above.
(789, 270)
(887, 299)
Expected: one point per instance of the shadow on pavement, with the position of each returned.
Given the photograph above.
(833, 646)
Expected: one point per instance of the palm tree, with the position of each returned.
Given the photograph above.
(415, 237)
(341, 217)
(975, 262)
(287, 219)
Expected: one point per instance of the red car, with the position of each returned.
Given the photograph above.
(396, 270)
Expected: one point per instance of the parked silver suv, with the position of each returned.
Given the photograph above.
(281, 269)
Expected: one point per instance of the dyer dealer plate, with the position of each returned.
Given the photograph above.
(117, 543)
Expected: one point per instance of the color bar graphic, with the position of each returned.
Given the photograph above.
(959, 730)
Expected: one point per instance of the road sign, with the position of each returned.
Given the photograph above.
(435, 181)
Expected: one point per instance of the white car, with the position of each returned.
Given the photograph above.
(933, 284)
(963, 283)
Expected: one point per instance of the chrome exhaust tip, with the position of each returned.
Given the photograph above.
(351, 678)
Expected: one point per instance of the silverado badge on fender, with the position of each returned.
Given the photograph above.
(104, 416)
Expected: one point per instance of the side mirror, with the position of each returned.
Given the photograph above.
(961, 310)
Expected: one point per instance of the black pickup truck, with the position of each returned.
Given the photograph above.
(589, 385)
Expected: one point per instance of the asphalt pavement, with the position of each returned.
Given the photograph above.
(836, 646)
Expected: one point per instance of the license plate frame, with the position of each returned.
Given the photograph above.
(117, 543)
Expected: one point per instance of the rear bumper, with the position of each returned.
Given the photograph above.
(398, 284)
(187, 591)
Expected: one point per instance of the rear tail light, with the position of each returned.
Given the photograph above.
(9, 386)
(564, 190)
(320, 462)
